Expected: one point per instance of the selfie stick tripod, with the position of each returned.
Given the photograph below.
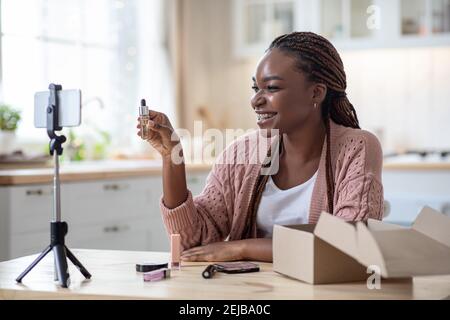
(58, 228)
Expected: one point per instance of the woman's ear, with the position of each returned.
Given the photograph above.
(319, 92)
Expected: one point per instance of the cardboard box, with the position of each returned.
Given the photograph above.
(337, 251)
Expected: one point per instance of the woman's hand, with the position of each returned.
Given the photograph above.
(160, 133)
(247, 249)
(218, 251)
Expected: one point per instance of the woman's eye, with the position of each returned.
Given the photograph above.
(269, 88)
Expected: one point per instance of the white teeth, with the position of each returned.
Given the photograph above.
(264, 116)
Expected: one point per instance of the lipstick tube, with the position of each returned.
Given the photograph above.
(175, 247)
(157, 275)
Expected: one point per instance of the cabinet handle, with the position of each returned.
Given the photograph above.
(36, 192)
(114, 187)
(115, 228)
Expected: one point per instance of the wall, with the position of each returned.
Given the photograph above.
(402, 95)
(211, 77)
(403, 92)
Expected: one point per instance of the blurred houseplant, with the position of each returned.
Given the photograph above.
(88, 142)
(75, 148)
(9, 120)
(90, 145)
(100, 150)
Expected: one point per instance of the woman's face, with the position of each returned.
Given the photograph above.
(284, 99)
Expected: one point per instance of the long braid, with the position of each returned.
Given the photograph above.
(320, 61)
(329, 170)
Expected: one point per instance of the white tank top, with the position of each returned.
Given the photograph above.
(283, 207)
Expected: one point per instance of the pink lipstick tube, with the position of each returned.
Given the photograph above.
(175, 248)
(157, 275)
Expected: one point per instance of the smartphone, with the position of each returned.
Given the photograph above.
(69, 108)
(236, 267)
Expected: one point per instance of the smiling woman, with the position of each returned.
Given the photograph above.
(325, 161)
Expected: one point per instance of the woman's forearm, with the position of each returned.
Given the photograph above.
(174, 183)
(258, 249)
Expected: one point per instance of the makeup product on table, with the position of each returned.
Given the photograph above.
(209, 271)
(229, 267)
(157, 275)
(144, 116)
(175, 247)
(237, 267)
(146, 267)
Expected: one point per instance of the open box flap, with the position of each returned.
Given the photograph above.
(405, 252)
(433, 224)
(338, 233)
(369, 253)
(377, 225)
(368, 244)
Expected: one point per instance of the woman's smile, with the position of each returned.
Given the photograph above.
(265, 118)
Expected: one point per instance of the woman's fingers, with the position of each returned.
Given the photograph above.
(158, 131)
(196, 254)
(197, 257)
(193, 250)
(159, 127)
(153, 126)
(191, 254)
(188, 258)
(152, 114)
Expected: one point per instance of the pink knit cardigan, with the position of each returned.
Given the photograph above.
(221, 211)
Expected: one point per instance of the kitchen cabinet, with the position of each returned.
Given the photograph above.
(425, 17)
(255, 22)
(347, 19)
(120, 214)
(348, 24)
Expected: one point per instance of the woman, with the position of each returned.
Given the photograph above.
(326, 163)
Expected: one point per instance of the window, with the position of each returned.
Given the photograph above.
(114, 51)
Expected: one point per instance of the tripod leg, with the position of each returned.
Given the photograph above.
(61, 265)
(55, 273)
(34, 263)
(78, 264)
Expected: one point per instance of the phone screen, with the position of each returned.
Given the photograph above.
(69, 108)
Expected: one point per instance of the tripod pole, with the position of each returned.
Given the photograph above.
(56, 203)
(56, 189)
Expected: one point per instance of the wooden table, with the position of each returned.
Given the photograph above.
(114, 277)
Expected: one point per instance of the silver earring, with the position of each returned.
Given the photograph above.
(315, 105)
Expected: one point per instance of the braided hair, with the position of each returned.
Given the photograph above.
(320, 62)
